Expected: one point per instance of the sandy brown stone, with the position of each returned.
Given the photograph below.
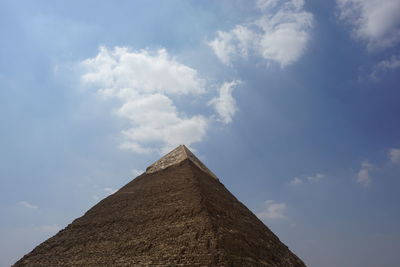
(177, 215)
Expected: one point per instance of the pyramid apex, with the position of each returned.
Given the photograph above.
(176, 156)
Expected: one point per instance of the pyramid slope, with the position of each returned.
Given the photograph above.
(177, 216)
(242, 238)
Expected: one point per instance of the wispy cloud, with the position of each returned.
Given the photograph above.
(392, 63)
(28, 205)
(266, 4)
(109, 190)
(315, 178)
(296, 181)
(272, 210)
(386, 65)
(377, 22)
(281, 34)
(137, 172)
(363, 175)
(394, 155)
(308, 179)
(225, 103)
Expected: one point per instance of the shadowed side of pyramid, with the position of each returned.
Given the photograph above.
(177, 215)
(241, 237)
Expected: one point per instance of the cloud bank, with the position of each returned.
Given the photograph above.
(377, 22)
(280, 34)
(145, 82)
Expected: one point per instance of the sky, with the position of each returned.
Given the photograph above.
(293, 104)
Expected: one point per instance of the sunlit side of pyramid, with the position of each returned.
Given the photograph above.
(175, 214)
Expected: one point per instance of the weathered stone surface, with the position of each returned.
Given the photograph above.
(176, 156)
(176, 215)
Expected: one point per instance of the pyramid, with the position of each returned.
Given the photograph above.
(177, 213)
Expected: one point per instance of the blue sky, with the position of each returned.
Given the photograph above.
(293, 104)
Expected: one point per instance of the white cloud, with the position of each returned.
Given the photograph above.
(281, 34)
(126, 73)
(309, 179)
(109, 191)
(377, 22)
(316, 178)
(137, 172)
(223, 46)
(385, 65)
(265, 4)
(28, 205)
(272, 210)
(394, 155)
(143, 82)
(225, 103)
(296, 181)
(392, 63)
(363, 176)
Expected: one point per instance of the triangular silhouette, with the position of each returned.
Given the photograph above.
(177, 213)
